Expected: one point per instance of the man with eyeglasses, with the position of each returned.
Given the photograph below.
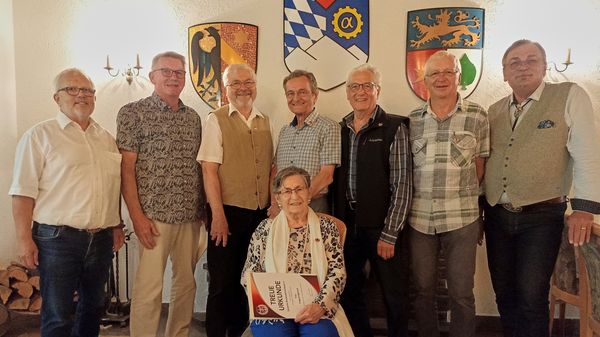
(159, 138)
(311, 141)
(65, 200)
(545, 140)
(449, 141)
(236, 162)
(372, 195)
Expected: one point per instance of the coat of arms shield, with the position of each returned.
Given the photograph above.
(459, 30)
(326, 37)
(212, 47)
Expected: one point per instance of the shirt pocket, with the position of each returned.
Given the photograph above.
(419, 151)
(462, 148)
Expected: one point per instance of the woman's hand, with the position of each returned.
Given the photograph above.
(311, 313)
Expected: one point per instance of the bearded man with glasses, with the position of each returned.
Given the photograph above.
(236, 162)
(65, 199)
(545, 140)
(372, 195)
(159, 138)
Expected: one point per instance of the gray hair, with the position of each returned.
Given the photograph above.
(289, 172)
(303, 73)
(237, 66)
(441, 54)
(519, 43)
(368, 68)
(170, 54)
(66, 72)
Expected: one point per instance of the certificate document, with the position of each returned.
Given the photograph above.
(280, 295)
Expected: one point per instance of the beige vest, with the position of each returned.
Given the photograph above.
(247, 155)
(532, 163)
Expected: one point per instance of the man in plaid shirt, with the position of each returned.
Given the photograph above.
(449, 140)
(311, 141)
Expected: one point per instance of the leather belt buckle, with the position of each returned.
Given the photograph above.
(509, 207)
(352, 205)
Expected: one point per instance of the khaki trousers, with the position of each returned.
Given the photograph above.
(180, 242)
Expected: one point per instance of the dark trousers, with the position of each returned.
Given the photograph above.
(360, 246)
(72, 260)
(227, 305)
(460, 247)
(522, 250)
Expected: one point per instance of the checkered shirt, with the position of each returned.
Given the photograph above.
(446, 187)
(316, 143)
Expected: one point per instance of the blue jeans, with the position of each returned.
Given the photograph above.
(522, 250)
(460, 250)
(72, 260)
(289, 328)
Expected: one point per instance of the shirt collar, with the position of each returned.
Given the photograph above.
(254, 113)
(63, 121)
(349, 119)
(457, 108)
(310, 120)
(162, 104)
(536, 95)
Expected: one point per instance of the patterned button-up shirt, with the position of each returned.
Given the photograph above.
(316, 143)
(169, 179)
(446, 187)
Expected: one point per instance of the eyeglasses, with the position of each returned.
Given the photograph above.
(445, 73)
(516, 64)
(74, 91)
(238, 84)
(301, 93)
(168, 72)
(287, 192)
(368, 86)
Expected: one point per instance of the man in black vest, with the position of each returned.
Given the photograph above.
(372, 195)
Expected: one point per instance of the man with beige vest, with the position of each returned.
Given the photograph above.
(236, 157)
(544, 139)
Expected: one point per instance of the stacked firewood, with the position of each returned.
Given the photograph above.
(20, 288)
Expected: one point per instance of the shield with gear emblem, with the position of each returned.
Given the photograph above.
(326, 37)
(459, 30)
(212, 47)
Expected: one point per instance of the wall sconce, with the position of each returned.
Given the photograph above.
(567, 62)
(129, 72)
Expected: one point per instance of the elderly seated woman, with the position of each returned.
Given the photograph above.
(299, 241)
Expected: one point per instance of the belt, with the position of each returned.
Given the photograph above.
(518, 209)
(352, 205)
(90, 231)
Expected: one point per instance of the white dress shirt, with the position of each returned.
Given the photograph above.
(73, 175)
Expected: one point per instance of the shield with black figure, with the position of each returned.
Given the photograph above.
(212, 47)
(459, 30)
(326, 37)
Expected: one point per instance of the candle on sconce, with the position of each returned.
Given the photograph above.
(137, 61)
(568, 61)
(107, 63)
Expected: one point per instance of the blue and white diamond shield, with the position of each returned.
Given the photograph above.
(326, 37)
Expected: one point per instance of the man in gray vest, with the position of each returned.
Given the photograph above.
(236, 157)
(544, 139)
(450, 140)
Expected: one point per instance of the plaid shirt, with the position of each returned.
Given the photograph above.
(316, 143)
(446, 187)
(400, 176)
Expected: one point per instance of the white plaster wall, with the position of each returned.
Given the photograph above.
(52, 35)
(8, 128)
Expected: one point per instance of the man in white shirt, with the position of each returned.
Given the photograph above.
(65, 199)
(544, 139)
